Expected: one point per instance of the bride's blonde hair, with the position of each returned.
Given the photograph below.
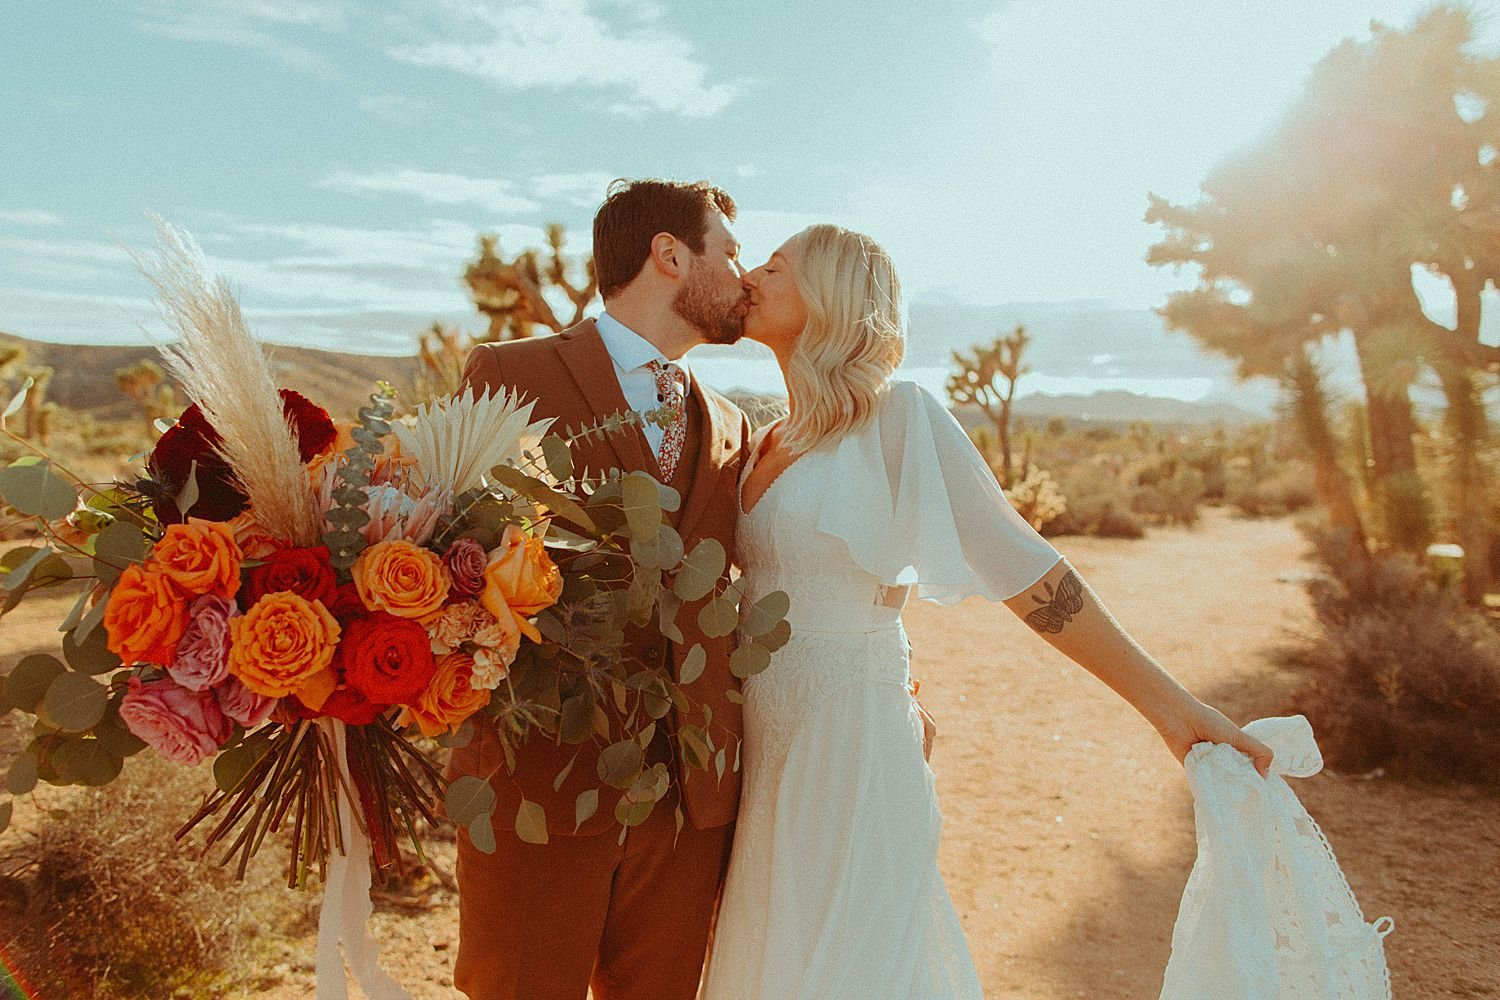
(853, 340)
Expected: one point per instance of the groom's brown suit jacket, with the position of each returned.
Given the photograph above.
(572, 378)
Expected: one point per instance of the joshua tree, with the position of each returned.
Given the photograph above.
(510, 293)
(147, 384)
(987, 377)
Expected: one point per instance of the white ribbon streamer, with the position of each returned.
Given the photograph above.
(344, 918)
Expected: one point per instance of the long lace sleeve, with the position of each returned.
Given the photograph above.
(916, 505)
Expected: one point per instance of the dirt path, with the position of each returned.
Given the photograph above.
(1068, 828)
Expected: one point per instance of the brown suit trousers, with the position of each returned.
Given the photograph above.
(630, 918)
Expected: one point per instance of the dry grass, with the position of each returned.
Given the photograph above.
(99, 900)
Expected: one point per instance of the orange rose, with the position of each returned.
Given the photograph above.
(450, 697)
(404, 579)
(284, 645)
(146, 616)
(200, 556)
(254, 541)
(520, 576)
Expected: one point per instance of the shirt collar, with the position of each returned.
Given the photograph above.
(627, 349)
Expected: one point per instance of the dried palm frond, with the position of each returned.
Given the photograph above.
(457, 440)
(222, 368)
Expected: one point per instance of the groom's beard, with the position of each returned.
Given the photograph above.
(719, 317)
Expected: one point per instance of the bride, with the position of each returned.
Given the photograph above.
(866, 490)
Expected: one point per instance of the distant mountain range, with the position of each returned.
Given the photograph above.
(1083, 342)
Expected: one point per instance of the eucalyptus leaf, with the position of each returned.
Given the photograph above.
(29, 680)
(531, 823)
(116, 547)
(539, 492)
(585, 806)
(37, 491)
(620, 764)
(692, 665)
(670, 499)
(76, 614)
(721, 761)
(700, 570)
(562, 775)
(577, 718)
(482, 833)
(231, 766)
(558, 456)
(73, 703)
(6, 808)
(16, 401)
(633, 812)
(642, 501)
(718, 618)
(749, 660)
(766, 613)
(468, 796)
(91, 654)
(189, 493)
(116, 736)
(26, 561)
(22, 776)
(87, 762)
(779, 636)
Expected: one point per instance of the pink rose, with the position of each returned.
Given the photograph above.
(243, 705)
(183, 726)
(466, 560)
(202, 657)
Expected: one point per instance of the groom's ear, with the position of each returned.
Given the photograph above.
(669, 255)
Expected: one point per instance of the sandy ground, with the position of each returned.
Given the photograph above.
(1068, 829)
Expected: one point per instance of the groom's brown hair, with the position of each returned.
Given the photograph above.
(634, 212)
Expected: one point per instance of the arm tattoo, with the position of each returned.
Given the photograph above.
(1059, 607)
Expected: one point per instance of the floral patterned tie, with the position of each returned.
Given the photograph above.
(671, 392)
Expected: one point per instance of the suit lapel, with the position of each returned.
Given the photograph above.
(713, 453)
(588, 361)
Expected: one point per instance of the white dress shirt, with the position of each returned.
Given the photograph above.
(632, 354)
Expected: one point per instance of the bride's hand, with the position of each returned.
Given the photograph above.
(1199, 723)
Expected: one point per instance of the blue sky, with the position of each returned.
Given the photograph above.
(338, 159)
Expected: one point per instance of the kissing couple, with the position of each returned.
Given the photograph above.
(810, 871)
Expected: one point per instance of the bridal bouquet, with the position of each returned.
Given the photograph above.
(314, 606)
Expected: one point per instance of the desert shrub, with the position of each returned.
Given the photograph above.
(1172, 500)
(1037, 498)
(1405, 676)
(108, 905)
(1098, 504)
(1285, 491)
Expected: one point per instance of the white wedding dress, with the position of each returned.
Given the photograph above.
(833, 891)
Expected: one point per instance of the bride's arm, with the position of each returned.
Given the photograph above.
(1065, 611)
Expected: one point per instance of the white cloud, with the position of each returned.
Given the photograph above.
(558, 44)
(748, 170)
(244, 24)
(495, 194)
(585, 188)
(29, 217)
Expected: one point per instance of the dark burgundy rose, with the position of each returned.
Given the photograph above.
(306, 572)
(193, 438)
(466, 560)
(346, 604)
(387, 659)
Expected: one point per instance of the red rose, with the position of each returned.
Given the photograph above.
(346, 604)
(352, 707)
(193, 438)
(387, 659)
(306, 572)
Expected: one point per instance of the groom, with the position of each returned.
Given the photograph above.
(631, 919)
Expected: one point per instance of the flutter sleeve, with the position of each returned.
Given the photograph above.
(916, 505)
